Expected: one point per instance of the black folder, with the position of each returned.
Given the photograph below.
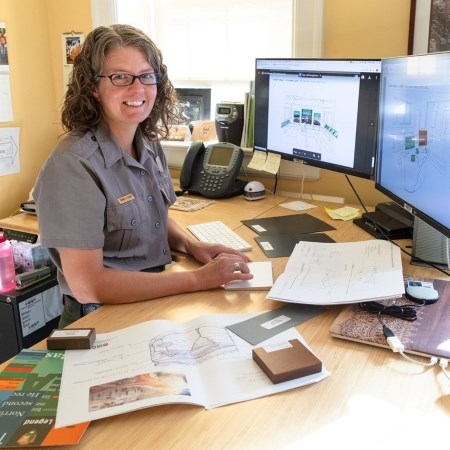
(291, 224)
(275, 246)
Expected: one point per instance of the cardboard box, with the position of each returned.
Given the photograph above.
(286, 361)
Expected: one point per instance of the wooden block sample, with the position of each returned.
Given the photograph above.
(286, 362)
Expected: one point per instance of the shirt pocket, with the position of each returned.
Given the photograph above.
(123, 227)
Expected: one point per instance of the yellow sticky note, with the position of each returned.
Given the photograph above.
(344, 213)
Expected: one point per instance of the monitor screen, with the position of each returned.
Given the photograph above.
(322, 112)
(413, 163)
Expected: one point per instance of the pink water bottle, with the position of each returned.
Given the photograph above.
(7, 269)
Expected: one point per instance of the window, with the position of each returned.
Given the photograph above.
(204, 40)
(214, 44)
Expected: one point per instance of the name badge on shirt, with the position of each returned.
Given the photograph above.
(159, 164)
(125, 198)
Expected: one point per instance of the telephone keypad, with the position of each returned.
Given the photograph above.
(210, 182)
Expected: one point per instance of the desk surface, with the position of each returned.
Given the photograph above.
(21, 222)
(372, 398)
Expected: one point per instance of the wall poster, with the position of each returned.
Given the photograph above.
(6, 114)
(71, 46)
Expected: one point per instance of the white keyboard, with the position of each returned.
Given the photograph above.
(218, 232)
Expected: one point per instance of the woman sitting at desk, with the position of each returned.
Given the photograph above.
(103, 195)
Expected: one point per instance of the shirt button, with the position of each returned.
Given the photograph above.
(142, 172)
(94, 138)
(165, 251)
(133, 222)
(149, 198)
(157, 224)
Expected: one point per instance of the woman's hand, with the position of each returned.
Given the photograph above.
(223, 268)
(205, 252)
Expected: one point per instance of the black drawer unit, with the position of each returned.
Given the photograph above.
(28, 316)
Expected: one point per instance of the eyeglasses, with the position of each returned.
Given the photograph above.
(126, 79)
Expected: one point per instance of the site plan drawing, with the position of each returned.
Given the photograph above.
(315, 124)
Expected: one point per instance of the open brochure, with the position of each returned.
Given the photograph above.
(159, 362)
(29, 387)
(321, 273)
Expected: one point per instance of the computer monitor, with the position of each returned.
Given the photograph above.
(413, 162)
(322, 112)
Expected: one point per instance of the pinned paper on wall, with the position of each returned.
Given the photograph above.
(9, 151)
(71, 46)
(6, 114)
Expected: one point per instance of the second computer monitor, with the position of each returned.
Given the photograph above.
(320, 111)
(414, 136)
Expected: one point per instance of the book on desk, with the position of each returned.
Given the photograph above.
(428, 335)
(29, 391)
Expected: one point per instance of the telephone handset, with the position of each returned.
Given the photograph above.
(212, 171)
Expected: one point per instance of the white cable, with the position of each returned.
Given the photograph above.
(397, 347)
(443, 363)
(433, 360)
(395, 344)
(303, 179)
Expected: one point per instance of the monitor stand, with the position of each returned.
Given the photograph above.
(429, 246)
(389, 220)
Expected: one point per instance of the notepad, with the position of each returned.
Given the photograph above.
(262, 278)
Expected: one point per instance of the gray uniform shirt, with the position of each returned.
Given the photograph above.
(90, 194)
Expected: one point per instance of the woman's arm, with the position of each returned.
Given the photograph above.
(180, 240)
(91, 282)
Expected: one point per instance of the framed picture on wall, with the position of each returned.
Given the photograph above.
(70, 46)
(3, 46)
(429, 26)
(439, 29)
(193, 104)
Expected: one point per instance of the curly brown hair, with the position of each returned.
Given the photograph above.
(81, 111)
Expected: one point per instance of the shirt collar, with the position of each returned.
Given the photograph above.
(112, 153)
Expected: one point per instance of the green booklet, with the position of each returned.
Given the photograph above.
(29, 392)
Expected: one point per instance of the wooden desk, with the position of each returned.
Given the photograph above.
(21, 222)
(373, 398)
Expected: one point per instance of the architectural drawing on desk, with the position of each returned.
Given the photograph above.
(193, 347)
(354, 277)
(418, 141)
(167, 349)
(9, 151)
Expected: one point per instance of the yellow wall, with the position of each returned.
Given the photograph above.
(352, 28)
(366, 29)
(34, 29)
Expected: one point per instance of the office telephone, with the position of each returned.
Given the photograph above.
(212, 171)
